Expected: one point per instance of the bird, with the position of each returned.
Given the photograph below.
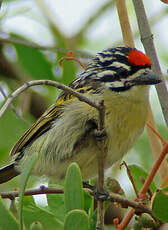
(120, 77)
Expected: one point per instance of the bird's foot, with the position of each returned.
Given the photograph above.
(101, 196)
(100, 135)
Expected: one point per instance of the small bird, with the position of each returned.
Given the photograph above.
(119, 76)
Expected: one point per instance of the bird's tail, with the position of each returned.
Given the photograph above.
(8, 172)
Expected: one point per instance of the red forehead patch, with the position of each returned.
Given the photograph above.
(136, 57)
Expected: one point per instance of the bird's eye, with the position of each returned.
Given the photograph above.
(123, 73)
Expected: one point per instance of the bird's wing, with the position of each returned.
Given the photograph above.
(38, 128)
(45, 121)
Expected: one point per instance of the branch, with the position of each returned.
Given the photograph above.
(147, 40)
(124, 23)
(128, 203)
(113, 197)
(29, 84)
(100, 158)
(13, 108)
(154, 170)
(16, 41)
(30, 192)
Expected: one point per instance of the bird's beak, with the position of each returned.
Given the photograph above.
(147, 78)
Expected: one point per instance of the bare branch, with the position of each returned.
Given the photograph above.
(13, 108)
(113, 197)
(100, 158)
(124, 23)
(33, 45)
(29, 84)
(128, 203)
(30, 192)
(147, 40)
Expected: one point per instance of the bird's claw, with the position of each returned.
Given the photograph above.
(100, 135)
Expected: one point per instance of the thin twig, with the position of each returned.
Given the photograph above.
(128, 203)
(29, 84)
(70, 57)
(130, 177)
(154, 170)
(100, 157)
(156, 133)
(147, 40)
(33, 45)
(124, 22)
(113, 197)
(13, 108)
(30, 192)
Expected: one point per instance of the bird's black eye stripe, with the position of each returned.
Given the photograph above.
(108, 78)
(120, 74)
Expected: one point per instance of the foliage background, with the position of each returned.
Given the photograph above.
(83, 26)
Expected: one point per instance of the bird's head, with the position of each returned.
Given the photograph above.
(121, 68)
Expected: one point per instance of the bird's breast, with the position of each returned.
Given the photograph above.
(124, 122)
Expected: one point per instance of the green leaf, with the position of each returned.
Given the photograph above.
(28, 201)
(45, 217)
(138, 172)
(160, 205)
(29, 163)
(8, 221)
(73, 192)
(56, 205)
(33, 61)
(69, 72)
(88, 201)
(76, 219)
